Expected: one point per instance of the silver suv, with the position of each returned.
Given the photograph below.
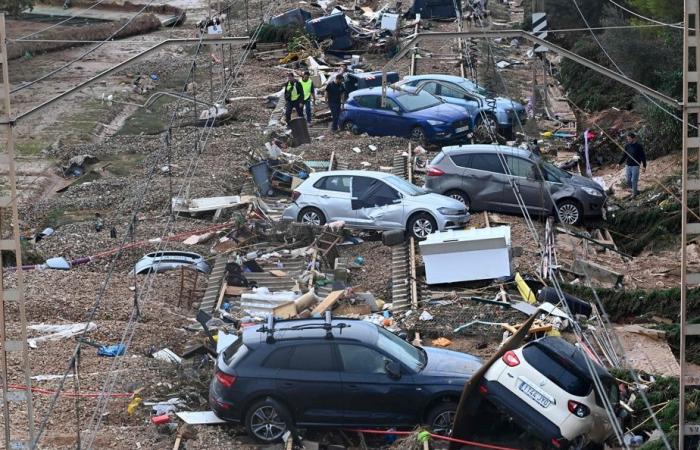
(373, 201)
(480, 177)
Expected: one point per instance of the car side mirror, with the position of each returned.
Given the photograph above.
(396, 109)
(393, 369)
(396, 201)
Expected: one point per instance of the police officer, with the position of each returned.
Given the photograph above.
(309, 94)
(293, 96)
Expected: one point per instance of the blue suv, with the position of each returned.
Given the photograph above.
(494, 114)
(420, 116)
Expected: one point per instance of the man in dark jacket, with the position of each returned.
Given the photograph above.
(293, 97)
(335, 92)
(633, 157)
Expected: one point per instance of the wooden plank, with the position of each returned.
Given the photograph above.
(222, 291)
(327, 302)
(285, 311)
(278, 273)
(236, 291)
(349, 310)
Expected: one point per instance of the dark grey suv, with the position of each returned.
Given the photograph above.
(480, 176)
(341, 373)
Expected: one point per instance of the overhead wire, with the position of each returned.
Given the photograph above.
(80, 58)
(130, 329)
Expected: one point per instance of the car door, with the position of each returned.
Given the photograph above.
(455, 95)
(386, 120)
(370, 396)
(333, 197)
(309, 380)
(528, 180)
(366, 118)
(485, 181)
(376, 204)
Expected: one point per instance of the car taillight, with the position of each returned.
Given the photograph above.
(434, 172)
(483, 389)
(556, 443)
(225, 379)
(295, 195)
(578, 409)
(511, 359)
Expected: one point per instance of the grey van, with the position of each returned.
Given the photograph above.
(480, 177)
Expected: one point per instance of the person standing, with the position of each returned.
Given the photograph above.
(335, 92)
(309, 89)
(633, 157)
(293, 95)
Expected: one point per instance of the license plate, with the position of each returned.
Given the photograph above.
(534, 394)
(462, 129)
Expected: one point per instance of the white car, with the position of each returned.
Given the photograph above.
(373, 201)
(546, 387)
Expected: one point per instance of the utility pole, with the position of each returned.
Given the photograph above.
(13, 299)
(690, 224)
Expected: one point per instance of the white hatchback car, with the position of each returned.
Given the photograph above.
(546, 387)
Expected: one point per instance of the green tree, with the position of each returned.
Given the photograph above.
(15, 7)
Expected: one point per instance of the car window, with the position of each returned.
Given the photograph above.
(400, 349)
(391, 104)
(416, 102)
(430, 88)
(488, 162)
(520, 167)
(235, 352)
(462, 160)
(278, 359)
(611, 391)
(553, 173)
(315, 357)
(359, 359)
(404, 186)
(369, 192)
(557, 371)
(438, 158)
(452, 92)
(368, 101)
(336, 183)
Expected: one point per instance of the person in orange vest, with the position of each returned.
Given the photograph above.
(293, 97)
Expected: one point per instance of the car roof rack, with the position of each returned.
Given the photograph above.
(269, 327)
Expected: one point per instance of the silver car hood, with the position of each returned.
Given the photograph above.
(434, 201)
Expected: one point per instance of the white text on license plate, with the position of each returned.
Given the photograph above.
(533, 394)
(461, 129)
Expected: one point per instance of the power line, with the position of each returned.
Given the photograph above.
(70, 63)
(648, 19)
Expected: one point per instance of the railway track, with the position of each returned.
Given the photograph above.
(404, 289)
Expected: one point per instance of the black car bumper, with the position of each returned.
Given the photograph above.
(224, 409)
(525, 416)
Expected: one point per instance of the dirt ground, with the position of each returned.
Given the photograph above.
(136, 169)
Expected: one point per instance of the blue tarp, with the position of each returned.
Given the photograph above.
(435, 9)
(111, 350)
(292, 17)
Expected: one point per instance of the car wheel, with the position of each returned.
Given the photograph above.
(267, 420)
(460, 196)
(312, 216)
(418, 135)
(486, 129)
(570, 212)
(441, 418)
(351, 127)
(421, 225)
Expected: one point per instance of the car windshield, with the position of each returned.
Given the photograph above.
(404, 186)
(553, 173)
(409, 355)
(416, 102)
(471, 87)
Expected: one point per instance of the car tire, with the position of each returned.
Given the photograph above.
(267, 420)
(421, 225)
(460, 196)
(441, 417)
(569, 212)
(418, 135)
(312, 216)
(351, 127)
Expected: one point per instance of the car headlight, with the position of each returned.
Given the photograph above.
(436, 122)
(593, 192)
(450, 211)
